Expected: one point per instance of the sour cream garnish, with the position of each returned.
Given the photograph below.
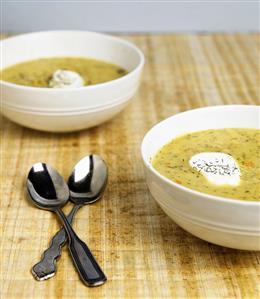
(66, 79)
(218, 168)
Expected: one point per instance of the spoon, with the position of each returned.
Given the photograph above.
(87, 183)
(49, 191)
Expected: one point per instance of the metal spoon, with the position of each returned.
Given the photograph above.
(87, 183)
(93, 174)
(48, 190)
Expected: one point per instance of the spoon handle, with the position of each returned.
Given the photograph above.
(47, 268)
(88, 268)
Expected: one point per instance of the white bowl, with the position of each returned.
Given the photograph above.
(24, 100)
(66, 121)
(223, 221)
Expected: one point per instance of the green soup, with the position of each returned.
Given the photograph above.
(172, 161)
(37, 73)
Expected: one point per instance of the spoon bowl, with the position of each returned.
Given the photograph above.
(47, 188)
(88, 180)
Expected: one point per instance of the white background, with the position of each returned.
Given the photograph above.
(130, 16)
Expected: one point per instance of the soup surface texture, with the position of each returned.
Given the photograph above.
(37, 73)
(172, 161)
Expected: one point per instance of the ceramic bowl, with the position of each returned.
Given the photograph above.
(23, 104)
(228, 222)
(66, 121)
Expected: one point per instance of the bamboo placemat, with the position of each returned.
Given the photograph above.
(143, 252)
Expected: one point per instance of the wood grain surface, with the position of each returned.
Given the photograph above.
(143, 252)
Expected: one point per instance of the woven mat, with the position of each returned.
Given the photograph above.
(143, 252)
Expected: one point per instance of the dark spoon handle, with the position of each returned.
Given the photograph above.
(46, 267)
(88, 268)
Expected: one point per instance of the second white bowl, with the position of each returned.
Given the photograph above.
(223, 221)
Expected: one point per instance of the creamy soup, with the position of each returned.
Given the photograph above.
(37, 73)
(222, 162)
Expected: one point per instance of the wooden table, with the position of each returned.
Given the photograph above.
(143, 252)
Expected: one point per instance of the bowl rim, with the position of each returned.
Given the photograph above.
(94, 86)
(186, 189)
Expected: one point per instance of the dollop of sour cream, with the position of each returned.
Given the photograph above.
(218, 168)
(66, 79)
